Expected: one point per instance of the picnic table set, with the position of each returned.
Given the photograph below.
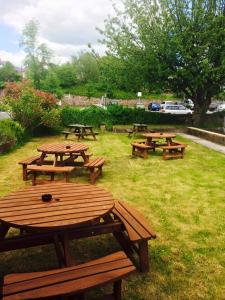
(61, 212)
(165, 141)
(80, 131)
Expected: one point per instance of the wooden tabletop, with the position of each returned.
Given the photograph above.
(159, 135)
(62, 148)
(71, 206)
(140, 125)
(80, 126)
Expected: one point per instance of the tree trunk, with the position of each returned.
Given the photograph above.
(200, 109)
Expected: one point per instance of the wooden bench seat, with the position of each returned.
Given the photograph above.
(69, 281)
(175, 150)
(140, 149)
(34, 169)
(28, 161)
(95, 168)
(66, 133)
(138, 232)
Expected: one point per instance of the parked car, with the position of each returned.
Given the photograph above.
(176, 109)
(140, 105)
(153, 106)
(188, 103)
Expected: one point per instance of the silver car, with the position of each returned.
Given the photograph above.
(176, 109)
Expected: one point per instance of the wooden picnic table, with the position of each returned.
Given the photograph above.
(82, 130)
(152, 138)
(72, 206)
(140, 127)
(60, 151)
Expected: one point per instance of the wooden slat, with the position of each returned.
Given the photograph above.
(29, 160)
(97, 162)
(71, 205)
(140, 145)
(11, 278)
(68, 280)
(47, 168)
(135, 224)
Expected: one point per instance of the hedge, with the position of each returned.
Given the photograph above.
(117, 115)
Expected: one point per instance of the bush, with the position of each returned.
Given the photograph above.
(32, 108)
(116, 115)
(92, 115)
(12, 132)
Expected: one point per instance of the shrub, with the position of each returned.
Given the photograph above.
(32, 108)
(116, 115)
(92, 115)
(11, 131)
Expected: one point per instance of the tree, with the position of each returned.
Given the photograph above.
(67, 75)
(8, 73)
(51, 84)
(37, 55)
(180, 43)
(87, 67)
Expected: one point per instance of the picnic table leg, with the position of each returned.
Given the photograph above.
(117, 289)
(85, 158)
(143, 256)
(69, 261)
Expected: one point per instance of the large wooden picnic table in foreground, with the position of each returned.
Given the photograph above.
(71, 206)
(75, 211)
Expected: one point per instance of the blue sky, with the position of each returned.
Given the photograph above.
(9, 40)
(65, 26)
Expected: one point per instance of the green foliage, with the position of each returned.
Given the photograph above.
(172, 44)
(51, 84)
(116, 115)
(8, 73)
(32, 108)
(11, 131)
(66, 74)
(86, 67)
(92, 116)
(37, 55)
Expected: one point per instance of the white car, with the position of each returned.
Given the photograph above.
(176, 109)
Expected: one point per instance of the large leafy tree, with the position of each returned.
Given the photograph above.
(180, 43)
(8, 73)
(37, 55)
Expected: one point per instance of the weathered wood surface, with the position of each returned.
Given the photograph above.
(174, 150)
(72, 205)
(140, 149)
(95, 168)
(138, 232)
(74, 280)
(35, 170)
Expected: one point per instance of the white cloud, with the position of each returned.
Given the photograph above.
(14, 58)
(67, 26)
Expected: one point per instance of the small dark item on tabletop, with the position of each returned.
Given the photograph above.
(68, 147)
(46, 197)
(161, 133)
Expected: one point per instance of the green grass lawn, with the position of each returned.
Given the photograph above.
(184, 200)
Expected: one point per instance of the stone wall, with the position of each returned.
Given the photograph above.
(208, 135)
(84, 101)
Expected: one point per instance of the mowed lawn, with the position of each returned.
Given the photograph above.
(184, 200)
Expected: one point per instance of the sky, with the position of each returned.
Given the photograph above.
(66, 26)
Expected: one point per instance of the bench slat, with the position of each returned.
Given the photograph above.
(140, 145)
(135, 223)
(46, 168)
(29, 160)
(68, 280)
(97, 162)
